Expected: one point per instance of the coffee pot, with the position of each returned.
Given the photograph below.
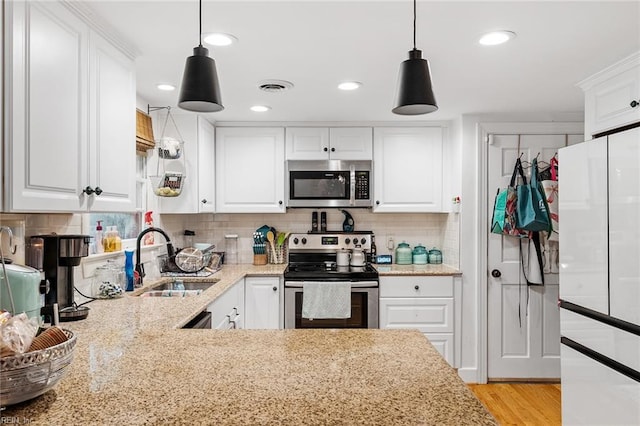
(358, 257)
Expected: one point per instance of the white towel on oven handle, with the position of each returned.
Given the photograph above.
(325, 300)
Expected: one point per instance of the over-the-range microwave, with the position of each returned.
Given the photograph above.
(328, 183)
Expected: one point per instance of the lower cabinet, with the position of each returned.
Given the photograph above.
(227, 311)
(262, 303)
(425, 303)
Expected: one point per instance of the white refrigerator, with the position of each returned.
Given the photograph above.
(599, 216)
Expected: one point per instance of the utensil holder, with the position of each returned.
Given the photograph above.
(279, 254)
(259, 259)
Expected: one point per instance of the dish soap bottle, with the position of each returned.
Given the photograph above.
(99, 248)
(117, 241)
(107, 240)
(148, 223)
(128, 269)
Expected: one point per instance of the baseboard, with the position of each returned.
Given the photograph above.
(523, 380)
(469, 375)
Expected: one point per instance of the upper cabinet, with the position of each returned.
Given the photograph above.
(250, 170)
(322, 143)
(408, 169)
(198, 188)
(71, 131)
(612, 96)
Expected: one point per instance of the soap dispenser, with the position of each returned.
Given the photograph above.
(99, 248)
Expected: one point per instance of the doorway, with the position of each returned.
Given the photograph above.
(522, 323)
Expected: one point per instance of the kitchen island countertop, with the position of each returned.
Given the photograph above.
(136, 370)
(413, 270)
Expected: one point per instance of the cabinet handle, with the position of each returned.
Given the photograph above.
(634, 104)
(377, 202)
(275, 288)
(417, 287)
(204, 201)
(88, 190)
(98, 190)
(280, 202)
(333, 150)
(325, 149)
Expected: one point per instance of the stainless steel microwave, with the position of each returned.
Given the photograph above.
(329, 183)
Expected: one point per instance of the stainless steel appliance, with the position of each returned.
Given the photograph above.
(61, 253)
(329, 183)
(312, 259)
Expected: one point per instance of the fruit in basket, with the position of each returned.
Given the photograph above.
(166, 191)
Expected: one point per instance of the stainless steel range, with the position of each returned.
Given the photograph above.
(312, 259)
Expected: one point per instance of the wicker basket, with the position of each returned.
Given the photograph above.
(26, 376)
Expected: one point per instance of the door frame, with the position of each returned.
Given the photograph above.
(484, 132)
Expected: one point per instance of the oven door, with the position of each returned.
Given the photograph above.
(364, 307)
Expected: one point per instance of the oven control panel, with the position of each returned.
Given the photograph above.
(322, 242)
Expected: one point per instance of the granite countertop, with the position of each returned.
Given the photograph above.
(133, 365)
(429, 269)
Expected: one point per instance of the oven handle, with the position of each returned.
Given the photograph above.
(352, 185)
(354, 284)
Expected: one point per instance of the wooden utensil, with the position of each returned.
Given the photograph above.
(271, 238)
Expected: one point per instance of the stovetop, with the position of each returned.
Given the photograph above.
(329, 271)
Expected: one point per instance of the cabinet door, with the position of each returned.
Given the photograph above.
(583, 241)
(47, 129)
(408, 169)
(624, 225)
(614, 102)
(206, 166)
(443, 342)
(351, 143)
(112, 154)
(228, 306)
(250, 170)
(307, 143)
(262, 303)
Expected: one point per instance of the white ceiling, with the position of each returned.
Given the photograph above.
(317, 44)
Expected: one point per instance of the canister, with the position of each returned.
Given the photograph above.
(403, 254)
(435, 256)
(419, 255)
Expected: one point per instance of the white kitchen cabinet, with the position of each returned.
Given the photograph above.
(424, 303)
(72, 103)
(322, 143)
(612, 96)
(408, 172)
(198, 188)
(250, 170)
(227, 311)
(263, 303)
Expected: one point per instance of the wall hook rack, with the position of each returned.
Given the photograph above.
(150, 108)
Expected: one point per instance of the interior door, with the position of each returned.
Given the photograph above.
(523, 323)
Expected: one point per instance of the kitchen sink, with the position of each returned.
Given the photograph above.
(168, 289)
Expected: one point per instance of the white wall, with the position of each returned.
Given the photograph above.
(473, 359)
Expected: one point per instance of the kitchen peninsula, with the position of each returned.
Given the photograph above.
(133, 364)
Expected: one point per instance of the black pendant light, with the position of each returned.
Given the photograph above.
(415, 94)
(200, 91)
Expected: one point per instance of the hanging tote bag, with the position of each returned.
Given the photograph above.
(532, 212)
(550, 187)
(504, 207)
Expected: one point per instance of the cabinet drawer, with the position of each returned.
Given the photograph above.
(417, 286)
(429, 315)
(443, 342)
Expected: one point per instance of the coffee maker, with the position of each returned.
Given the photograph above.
(60, 254)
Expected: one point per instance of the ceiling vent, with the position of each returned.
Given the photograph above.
(274, 86)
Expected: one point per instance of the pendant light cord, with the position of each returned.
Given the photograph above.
(414, 24)
(200, 29)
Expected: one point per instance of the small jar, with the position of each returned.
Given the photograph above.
(435, 256)
(403, 254)
(419, 255)
(231, 249)
(107, 281)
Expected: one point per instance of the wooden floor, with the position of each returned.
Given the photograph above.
(521, 403)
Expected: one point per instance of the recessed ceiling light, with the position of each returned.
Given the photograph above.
(260, 108)
(349, 85)
(219, 39)
(496, 37)
(166, 87)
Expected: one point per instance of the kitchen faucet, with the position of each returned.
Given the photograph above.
(170, 251)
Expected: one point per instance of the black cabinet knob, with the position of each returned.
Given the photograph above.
(98, 190)
(325, 149)
(275, 288)
(634, 103)
(377, 202)
(280, 202)
(204, 201)
(333, 150)
(88, 190)
(496, 273)
(417, 287)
